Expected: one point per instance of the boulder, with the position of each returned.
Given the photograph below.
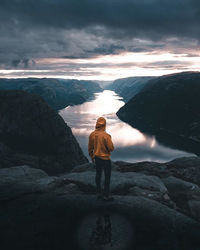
(70, 189)
(145, 167)
(178, 187)
(83, 168)
(194, 206)
(120, 183)
(22, 180)
(184, 194)
(186, 168)
(20, 173)
(153, 195)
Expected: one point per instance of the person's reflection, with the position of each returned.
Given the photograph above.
(102, 233)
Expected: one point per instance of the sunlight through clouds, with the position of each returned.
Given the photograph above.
(109, 67)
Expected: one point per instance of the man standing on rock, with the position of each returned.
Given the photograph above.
(99, 148)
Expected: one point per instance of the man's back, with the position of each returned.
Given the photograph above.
(100, 144)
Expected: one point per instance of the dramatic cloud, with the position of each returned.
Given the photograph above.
(150, 18)
(73, 29)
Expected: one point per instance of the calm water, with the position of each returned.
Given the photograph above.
(130, 144)
(105, 232)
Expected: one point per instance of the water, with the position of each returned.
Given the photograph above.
(104, 231)
(130, 144)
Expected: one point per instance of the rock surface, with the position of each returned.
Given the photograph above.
(182, 192)
(32, 133)
(181, 178)
(49, 221)
(38, 211)
(153, 195)
(120, 183)
(194, 206)
(22, 180)
(186, 168)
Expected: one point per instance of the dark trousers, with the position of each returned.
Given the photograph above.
(104, 165)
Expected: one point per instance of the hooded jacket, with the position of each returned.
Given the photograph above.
(100, 143)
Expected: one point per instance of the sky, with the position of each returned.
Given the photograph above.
(98, 39)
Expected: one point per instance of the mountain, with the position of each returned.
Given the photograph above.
(58, 93)
(32, 133)
(129, 87)
(155, 206)
(103, 84)
(168, 107)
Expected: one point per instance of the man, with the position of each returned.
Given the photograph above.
(99, 147)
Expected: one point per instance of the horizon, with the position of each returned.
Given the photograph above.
(97, 80)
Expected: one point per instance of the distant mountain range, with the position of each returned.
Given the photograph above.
(168, 106)
(128, 87)
(103, 84)
(58, 93)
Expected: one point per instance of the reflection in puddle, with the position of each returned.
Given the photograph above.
(130, 144)
(104, 231)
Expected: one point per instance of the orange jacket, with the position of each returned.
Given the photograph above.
(100, 143)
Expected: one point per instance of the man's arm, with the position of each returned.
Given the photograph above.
(109, 143)
(91, 147)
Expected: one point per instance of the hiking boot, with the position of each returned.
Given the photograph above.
(108, 198)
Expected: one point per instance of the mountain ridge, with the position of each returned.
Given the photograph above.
(167, 105)
(129, 86)
(32, 133)
(58, 93)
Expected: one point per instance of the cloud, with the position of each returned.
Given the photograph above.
(108, 67)
(148, 18)
(24, 63)
(31, 30)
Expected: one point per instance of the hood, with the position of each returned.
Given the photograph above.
(101, 123)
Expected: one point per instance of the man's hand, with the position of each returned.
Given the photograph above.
(93, 160)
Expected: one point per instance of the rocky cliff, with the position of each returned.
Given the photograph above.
(32, 133)
(168, 107)
(58, 93)
(155, 206)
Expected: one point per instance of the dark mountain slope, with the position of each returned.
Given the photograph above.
(167, 105)
(58, 93)
(32, 133)
(129, 87)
